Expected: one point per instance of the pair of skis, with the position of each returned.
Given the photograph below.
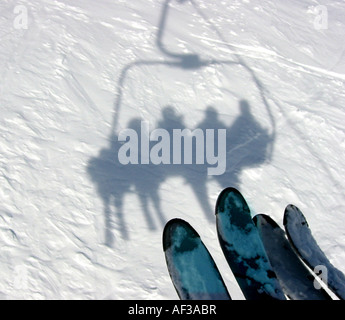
(266, 264)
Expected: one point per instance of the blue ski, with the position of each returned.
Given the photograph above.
(243, 248)
(191, 267)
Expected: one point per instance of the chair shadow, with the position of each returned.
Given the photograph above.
(248, 144)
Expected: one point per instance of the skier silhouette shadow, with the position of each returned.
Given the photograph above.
(115, 180)
(248, 144)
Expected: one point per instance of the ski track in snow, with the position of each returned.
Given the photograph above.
(82, 71)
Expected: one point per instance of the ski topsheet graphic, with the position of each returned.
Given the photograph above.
(243, 248)
(295, 278)
(265, 260)
(191, 267)
(301, 238)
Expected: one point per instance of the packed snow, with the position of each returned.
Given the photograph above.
(77, 224)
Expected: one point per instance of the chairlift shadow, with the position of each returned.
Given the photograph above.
(248, 145)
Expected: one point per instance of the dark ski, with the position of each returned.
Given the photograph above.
(192, 269)
(301, 238)
(243, 248)
(295, 278)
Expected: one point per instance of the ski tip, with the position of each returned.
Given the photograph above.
(223, 196)
(261, 219)
(228, 190)
(171, 229)
(294, 214)
(258, 219)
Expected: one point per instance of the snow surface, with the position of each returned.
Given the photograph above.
(74, 224)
